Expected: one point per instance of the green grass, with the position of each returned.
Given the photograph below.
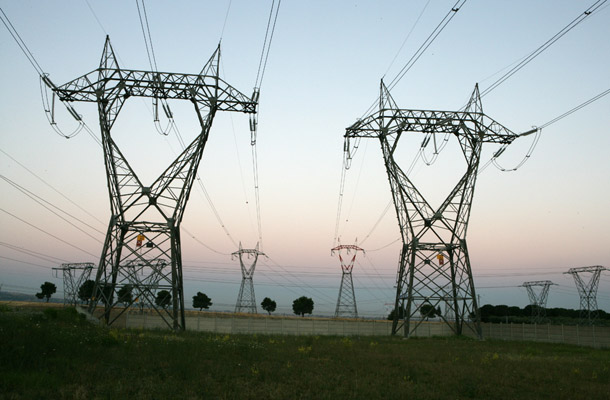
(56, 354)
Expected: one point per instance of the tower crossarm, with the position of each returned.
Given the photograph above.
(107, 83)
(393, 122)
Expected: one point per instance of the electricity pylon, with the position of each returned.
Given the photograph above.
(434, 264)
(587, 291)
(246, 301)
(74, 275)
(145, 222)
(538, 301)
(346, 302)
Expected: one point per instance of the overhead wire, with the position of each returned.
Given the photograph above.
(32, 253)
(47, 205)
(581, 17)
(51, 186)
(47, 233)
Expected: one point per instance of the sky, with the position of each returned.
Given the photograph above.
(323, 72)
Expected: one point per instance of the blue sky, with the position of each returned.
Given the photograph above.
(324, 69)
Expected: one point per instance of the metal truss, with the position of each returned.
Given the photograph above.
(144, 228)
(434, 266)
(346, 302)
(74, 275)
(246, 301)
(587, 291)
(538, 301)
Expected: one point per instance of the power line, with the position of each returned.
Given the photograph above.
(24, 48)
(50, 234)
(544, 46)
(50, 186)
(41, 256)
(40, 201)
(573, 110)
(267, 44)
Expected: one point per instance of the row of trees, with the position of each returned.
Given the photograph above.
(301, 306)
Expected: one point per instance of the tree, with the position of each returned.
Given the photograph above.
(125, 295)
(163, 298)
(303, 305)
(269, 305)
(46, 291)
(85, 291)
(201, 301)
(427, 310)
(401, 313)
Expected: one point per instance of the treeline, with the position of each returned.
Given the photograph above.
(514, 314)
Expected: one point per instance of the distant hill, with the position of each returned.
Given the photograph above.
(13, 296)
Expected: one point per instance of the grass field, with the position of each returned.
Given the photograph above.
(55, 354)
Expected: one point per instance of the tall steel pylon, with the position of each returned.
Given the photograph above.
(74, 275)
(145, 220)
(538, 300)
(434, 265)
(587, 291)
(246, 301)
(346, 302)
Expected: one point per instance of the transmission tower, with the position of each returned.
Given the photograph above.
(538, 301)
(346, 302)
(74, 275)
(434, 265)
(145, 222)
(587, 291)
(246, 302)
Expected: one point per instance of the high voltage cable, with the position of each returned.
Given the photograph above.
(407, 37)
(50, 234)
(42, 256)
(222, 32)
(24, 48)
(40, 201)
(50, 186)
(267, 45)
(96, 18)
(422, 49)
(545, 46)
(538, 134)
(578, 107)
(29, 263)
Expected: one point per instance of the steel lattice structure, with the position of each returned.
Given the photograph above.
(346, 302)
(587, 291)
(538, 301)
(246, 301)
(74, 275)
(145, 220)
(434, 265)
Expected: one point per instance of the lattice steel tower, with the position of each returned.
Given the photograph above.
(587, 291)
(145, 219)
(538, 300)
(246, 301)
(74, 275)
(434, 265)
(346, 302)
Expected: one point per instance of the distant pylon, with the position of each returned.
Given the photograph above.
(74, 275)
(246, 302)
(587, 291)
(538, 301)
(346, 302)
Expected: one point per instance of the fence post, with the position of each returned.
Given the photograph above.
(593, 329)
(563, 336)
(577, 335)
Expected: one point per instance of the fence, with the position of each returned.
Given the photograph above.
(592, 336)
(242, 324)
